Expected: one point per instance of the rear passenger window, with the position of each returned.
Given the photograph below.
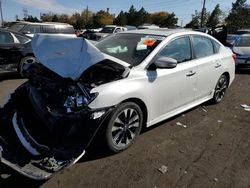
(216, 46)
(178, 49)
(203, 46)
(49, 29)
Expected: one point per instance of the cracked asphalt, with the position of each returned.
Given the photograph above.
(212, 151)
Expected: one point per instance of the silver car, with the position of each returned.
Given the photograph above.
(242, 50)
(127, 81)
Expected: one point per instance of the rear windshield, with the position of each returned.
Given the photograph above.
(244, 41)
(17, 27)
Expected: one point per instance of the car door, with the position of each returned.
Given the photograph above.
(9, 49)
(209, 64)
(176, 87)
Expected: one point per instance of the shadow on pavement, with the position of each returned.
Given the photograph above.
(9, 76)
(242, 71)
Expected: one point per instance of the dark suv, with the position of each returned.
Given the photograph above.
(30, 28)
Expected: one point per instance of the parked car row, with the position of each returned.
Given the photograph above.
(15, 51)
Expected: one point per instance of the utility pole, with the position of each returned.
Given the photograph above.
(2, 24)
(202, 13)
(87, 12)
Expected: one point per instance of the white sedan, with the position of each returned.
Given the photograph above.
(126, 81)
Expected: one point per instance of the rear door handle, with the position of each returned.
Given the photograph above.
(217, 65)
(190, 73)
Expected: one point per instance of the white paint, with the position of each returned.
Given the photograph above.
(22, 139)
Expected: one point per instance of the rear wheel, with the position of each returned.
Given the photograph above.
(124, 126)
(26, 60)
(220, 89)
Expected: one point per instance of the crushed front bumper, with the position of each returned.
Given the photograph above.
(27, 152)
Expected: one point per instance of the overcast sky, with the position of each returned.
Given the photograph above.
(182, 8)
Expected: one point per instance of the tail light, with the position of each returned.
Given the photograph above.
(234, 57)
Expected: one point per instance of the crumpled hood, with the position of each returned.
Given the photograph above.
(67, 55)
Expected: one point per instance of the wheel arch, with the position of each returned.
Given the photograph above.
(143, 107)
(228, 77)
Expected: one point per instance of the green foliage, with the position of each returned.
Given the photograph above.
(239, 16)
(102, 18)
(214, 18)
(164, 19)
(31, 19)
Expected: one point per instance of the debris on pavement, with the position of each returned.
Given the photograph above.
(246, 107)
(185, 172)
(216, 179)
(183, 115)
(219, 121)
(163, 169)
(181, 124)
(203, 108)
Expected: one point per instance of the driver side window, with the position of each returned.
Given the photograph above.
(179, 49)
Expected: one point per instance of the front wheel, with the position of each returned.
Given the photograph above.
(26, 60)
(123, 127)
(220, 89)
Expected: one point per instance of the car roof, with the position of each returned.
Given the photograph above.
(14, 32)
(161, 32)
(42, 23)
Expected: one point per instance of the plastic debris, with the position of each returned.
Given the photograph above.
(185, 172)
(216, 179)
(183, 115)
(181, 125)
(203, 108)
(246, 107)
(163, 169)
(219, 121)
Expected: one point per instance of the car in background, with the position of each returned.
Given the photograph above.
(31, 28)
(104, 32)
(148, 26)
(231, 39)
(15, 51)
(243, 31)
(242, 50)
(127, 81)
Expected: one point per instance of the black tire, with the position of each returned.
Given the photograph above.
(220, 89)
(122, 131)
(23, 62)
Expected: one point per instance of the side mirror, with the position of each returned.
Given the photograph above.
(165, 63)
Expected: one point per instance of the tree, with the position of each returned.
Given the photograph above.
(195, 22)
(121, 19)
(239, 16)
(31, 19)
(214, 18)
(142, 16)
(131, 16)
(102, 18)
(196, 19)
(163, 19)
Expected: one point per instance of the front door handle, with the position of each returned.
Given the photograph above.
(190, 73)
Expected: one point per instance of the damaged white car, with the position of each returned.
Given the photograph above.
(126, 81)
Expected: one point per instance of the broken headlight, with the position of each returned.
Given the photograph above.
(78, 98)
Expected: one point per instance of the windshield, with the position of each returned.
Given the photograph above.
(131, 48)
(107, 30)
(244, 41)
(17, 27)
